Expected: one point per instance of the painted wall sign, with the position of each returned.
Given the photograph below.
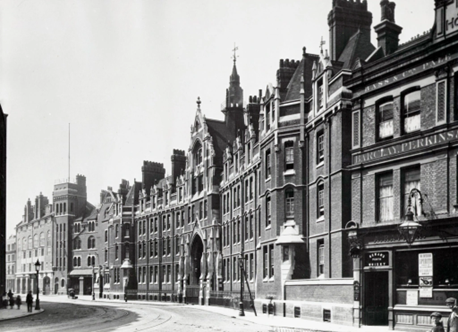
(416, 144)
(408, 73)
(451, 18)
(377, 259)
(425, 265)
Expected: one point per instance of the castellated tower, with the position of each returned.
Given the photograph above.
(152, 172)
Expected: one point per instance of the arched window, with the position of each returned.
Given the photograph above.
(75, 261)
(24, 243)
(29, 245)
(88, 260)
(35, 241)
(289, 202)
(77, 244)
(91, 242)
(79, 261)
(42, 239)
(49, 239)
(62, 283)
(320, 199)
(268, 211)
(197, 151)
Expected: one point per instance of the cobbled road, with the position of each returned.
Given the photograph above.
(108, 316)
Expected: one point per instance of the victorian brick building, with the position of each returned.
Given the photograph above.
(404, 163)
(331, 195)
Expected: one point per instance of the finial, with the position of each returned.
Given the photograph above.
(235, 56)
(303, 51)
(322, 42)
(198, 102)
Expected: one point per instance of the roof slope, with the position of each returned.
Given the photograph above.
(358, 46)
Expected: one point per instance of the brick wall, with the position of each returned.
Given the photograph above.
(368, 126)
(428, 106)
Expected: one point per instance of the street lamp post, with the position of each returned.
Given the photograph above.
(241, 310)
(37, 302)
(93, 292)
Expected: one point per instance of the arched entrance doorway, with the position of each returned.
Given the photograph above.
(193, 288)
(197, 248)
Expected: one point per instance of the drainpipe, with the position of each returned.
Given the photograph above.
(329, 195)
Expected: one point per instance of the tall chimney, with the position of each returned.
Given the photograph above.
(344, 20)
(178, 164)
(387, 31)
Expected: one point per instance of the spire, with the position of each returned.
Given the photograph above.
(234, 100)
(235, 78)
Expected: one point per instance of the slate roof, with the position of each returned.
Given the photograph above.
(358, 46)
(221, 136)
(294, 86)
(132, 196)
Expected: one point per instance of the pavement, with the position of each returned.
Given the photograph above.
(6, 314)
(277, 323)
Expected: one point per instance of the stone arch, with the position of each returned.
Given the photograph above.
(197, 249)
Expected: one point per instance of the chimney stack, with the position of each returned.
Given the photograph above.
(344, 20)
(178, 164)
(387, 31)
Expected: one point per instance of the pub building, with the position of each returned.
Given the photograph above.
(403, 231)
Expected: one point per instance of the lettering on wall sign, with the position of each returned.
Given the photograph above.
(376, 259)
(415, 144)
(408, 73)
(451, 18)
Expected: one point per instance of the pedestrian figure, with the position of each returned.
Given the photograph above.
(11, 298)
(29, 300)
(438, 326)
(452, 323)
(18, 302)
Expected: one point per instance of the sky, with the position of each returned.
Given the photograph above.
(126, 76)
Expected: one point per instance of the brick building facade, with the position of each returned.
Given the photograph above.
(350, 148)
(403, 163)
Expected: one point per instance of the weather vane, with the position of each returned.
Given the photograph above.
(235, 56)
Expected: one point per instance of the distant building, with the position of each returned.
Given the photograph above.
(11, 263)
(34, 238)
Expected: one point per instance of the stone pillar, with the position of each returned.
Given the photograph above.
(203, 274)
(81, 291)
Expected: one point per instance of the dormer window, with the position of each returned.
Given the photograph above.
(320, 93)
(267, 107)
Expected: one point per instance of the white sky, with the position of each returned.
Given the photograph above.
(127, 74)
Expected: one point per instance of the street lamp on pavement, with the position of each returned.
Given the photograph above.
(37, 302)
